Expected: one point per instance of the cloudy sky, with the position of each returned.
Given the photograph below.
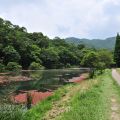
(65, 18)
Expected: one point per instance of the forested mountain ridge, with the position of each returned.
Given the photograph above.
(108, 43)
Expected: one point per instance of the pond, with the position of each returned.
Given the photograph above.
(42, 80)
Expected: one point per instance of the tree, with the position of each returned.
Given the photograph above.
(67, 57)
(117, 51)
(35, 53)
(49, 58)
(35, 66)
(2, 67)
(13, 66)
(81, 46)
(39, 39)
(105, 60)
(10, 54)
(90, 60)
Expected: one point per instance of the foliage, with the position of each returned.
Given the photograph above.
(97, 60)
(11, 55)
(90, 60)
(2, 67)
(23, 48)
(105, 59)
(13, 66)
(35, 66)
(17, 45)
(117, 51)
(108, 43)
(11, 112)
(49, 57)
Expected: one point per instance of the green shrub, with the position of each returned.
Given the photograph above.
(13, 66)
(2, 67)
(11, 112)
(35, 66)
(68, 65)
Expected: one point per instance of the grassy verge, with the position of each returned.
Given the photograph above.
(37, 112)
(93, 103)
(89, 100)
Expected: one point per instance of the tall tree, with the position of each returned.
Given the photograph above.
(117, 51)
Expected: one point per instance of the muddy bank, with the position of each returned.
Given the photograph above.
(37, 96)
(8, 79)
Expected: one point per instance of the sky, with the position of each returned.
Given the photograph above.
(65, 18)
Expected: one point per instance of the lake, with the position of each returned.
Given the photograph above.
(42, 80)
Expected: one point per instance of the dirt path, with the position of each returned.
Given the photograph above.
(115, 103)
(116, 75)
(115, 108)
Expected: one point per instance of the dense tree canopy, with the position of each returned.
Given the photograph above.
(31, 49)
(17, 45)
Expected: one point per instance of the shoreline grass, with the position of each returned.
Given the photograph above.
(89, 100)
(38, 111)
(92, 104)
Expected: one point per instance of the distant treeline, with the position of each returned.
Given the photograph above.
(20, 49)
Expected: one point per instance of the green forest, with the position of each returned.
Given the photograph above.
(22, 50)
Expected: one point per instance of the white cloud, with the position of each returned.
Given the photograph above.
(88, 18)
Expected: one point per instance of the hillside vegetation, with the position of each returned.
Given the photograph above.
(108, 43)
(22, 50)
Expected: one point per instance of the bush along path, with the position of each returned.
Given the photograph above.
(95, 99)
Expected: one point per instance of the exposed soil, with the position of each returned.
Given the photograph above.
(8, 79)
(38, 96)
(115, 108)
(77, 79)
(116, 76)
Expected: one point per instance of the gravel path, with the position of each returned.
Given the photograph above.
(116, 75)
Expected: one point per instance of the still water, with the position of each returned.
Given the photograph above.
(41, 80)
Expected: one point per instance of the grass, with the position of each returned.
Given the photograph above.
(38, 111)
(89, 100)
(11, 112)
(92, 104)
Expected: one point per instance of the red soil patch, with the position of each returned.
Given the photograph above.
(36, 97)
(8, 79)
(77, 79)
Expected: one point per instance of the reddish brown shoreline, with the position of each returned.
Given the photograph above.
(39, 96)
(9, 79)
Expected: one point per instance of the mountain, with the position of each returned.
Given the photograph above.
(108, 43)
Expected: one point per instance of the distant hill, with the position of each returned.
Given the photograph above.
(108, 43)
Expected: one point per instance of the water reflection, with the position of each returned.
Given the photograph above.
(43, 80)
